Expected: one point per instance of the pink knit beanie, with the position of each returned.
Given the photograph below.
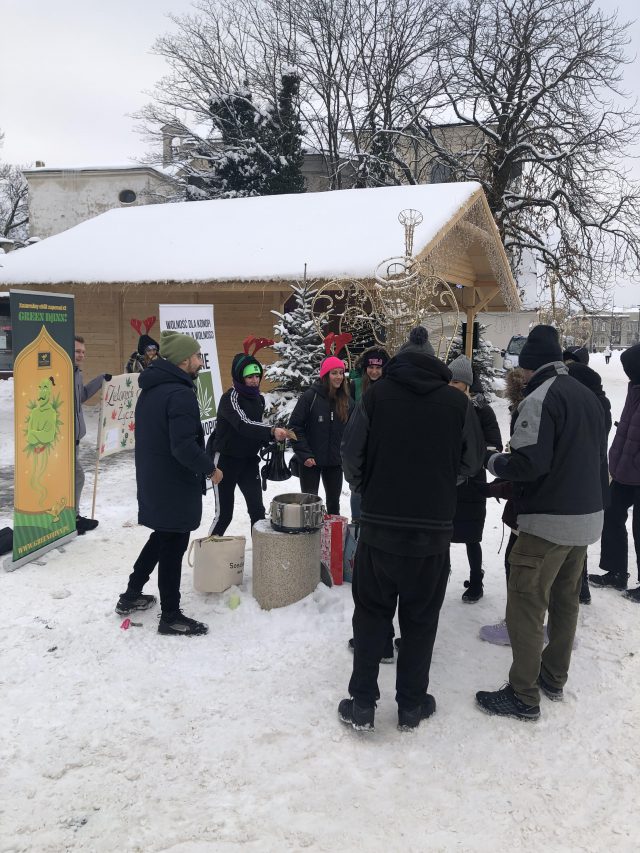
(331, 363)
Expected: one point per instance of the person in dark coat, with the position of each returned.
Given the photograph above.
(624, 491)
(369, 368)
(591, 380)
(240, 433)
(318, 421)
(471, 506)
(146, 352)
(410, 438)
(171, 467)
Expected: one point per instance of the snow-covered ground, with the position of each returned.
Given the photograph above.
(129, 741)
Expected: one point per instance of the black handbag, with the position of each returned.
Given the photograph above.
(294, 466)
(6, 540)
(275, 467)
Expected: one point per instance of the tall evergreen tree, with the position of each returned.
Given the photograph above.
(300, 351)
(256, 151)
(288, 177)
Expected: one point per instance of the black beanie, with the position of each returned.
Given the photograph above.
(146, 341)
(541, 347)
(418, 342)
(375, 356)
(577, 354)
(630, 360)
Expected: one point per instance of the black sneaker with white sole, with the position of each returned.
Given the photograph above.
(129, 605)
(505, 703)
(556, 694)
(177, 624)
(361, 718)
(410, 718)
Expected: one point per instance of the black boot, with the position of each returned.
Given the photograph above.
(617, 581)
(585, 592)
(474, 588)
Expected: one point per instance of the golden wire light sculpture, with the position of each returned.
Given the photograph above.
(405, 292)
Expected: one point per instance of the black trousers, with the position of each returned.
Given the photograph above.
(245, 474)
(331, 480)
(165, 550)
(417, 585)
(614, 547)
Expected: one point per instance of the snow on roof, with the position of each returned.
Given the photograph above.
(340, 234)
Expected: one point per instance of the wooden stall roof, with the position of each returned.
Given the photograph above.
(251, 242)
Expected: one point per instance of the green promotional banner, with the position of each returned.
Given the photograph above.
(44, 422)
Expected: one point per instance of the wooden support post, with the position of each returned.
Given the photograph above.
(468, 344)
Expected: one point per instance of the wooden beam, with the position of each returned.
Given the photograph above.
(486, 299)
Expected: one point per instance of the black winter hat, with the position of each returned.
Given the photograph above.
(376, 356)
(541, 347)
(630, 360)
(577, 354)
(418, 342)
(239, 363)
(146, 341)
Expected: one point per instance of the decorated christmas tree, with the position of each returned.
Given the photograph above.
(482, 359)
(300, 352)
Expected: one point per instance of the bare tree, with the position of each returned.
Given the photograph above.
(365, 68)
(14, 208)
(536, 84)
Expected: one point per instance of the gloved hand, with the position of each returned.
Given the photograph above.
(108, 377)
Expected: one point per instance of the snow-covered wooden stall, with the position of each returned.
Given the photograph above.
(240, 255)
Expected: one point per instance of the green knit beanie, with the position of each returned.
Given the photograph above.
(176, 347)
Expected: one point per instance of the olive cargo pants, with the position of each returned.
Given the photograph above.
(544, 576)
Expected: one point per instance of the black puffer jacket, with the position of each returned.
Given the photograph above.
(471, 507)
(171, 464)
(318, 427)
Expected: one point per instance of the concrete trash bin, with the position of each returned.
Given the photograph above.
(286, 566)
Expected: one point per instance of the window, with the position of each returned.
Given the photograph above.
(127, 196)
(441, 173)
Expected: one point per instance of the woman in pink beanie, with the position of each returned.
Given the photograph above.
(318, 420)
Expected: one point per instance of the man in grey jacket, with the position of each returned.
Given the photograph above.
(82, 393)
(557, 447)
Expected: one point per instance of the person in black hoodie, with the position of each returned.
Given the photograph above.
(171, 467)
(409, 440)
(318, 421)
(240, 433)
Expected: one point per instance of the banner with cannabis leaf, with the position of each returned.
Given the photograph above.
(197, 321)
(117, 424)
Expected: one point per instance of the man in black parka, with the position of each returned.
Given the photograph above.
(408, 441)
(171, 467)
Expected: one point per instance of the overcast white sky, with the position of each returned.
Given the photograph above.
(72, 71)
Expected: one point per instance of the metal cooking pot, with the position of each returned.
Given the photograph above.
(296, 512)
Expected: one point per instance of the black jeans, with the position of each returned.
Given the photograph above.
(245, 474)
(331, 480)
(614, 547)
(165, 550)
(418, 585)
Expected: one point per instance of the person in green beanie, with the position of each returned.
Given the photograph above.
(171, 468)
